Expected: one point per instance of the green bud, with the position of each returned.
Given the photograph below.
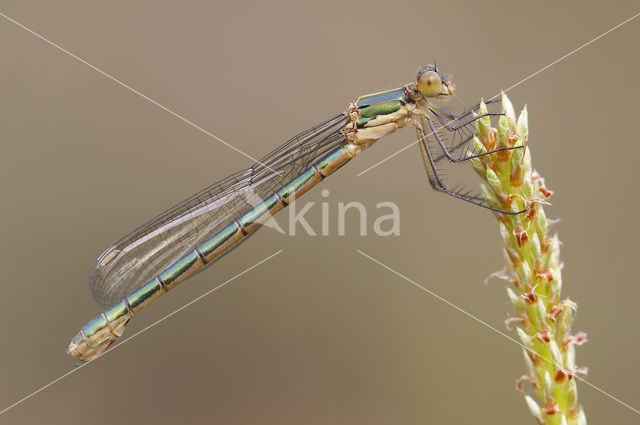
(478, 147)
(503, 132)
(541, 311)
(554, 351)
(564, 323)
(507, 260)
(488, 195)
(570, 356)
(548, 383)
(536, 251)
(527, 274)
(526, 163)
(527, 187)
(515, 206)
(541, 221)
(572, 393)
(506, 235)
(528, 363)
(483, 125)
(526, 339)
(534, 409)
(554, 252)
(582, 419)
(476, 164)
(518, 302)
(494, 181)
(507, 109)
(516, 164)
(522, 128)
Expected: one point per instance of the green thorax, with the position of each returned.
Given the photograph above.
(373, 105)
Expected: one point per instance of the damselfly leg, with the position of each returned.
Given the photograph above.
(437, 181)
(454, 124)
(467, 111)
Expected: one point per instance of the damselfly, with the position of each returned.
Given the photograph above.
(157, 256)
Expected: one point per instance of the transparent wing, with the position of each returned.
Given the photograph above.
(148, 250)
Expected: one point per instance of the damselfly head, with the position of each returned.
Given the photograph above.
(433, 83)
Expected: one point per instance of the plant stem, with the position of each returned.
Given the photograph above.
(534, 267)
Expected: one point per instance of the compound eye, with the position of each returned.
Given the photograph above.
(430, 84)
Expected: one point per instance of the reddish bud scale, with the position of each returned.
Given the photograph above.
(504, 200)
(544, 246)
(563, 374)
(577, 339)
(545, 192)
(555, 312)
(544, 336)
(524, 378)
(530, 296)
(503, 156)
(491, 141)
(534, 384)
(545, 274)
(531, 213)
(570, 304)
(522, 320)
(516, 177)
(536, 360)
(514, 257)
(551, 409)
(582, 371)
(521, 236)
(516, 281)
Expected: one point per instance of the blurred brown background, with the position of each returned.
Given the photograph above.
(319, 334)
